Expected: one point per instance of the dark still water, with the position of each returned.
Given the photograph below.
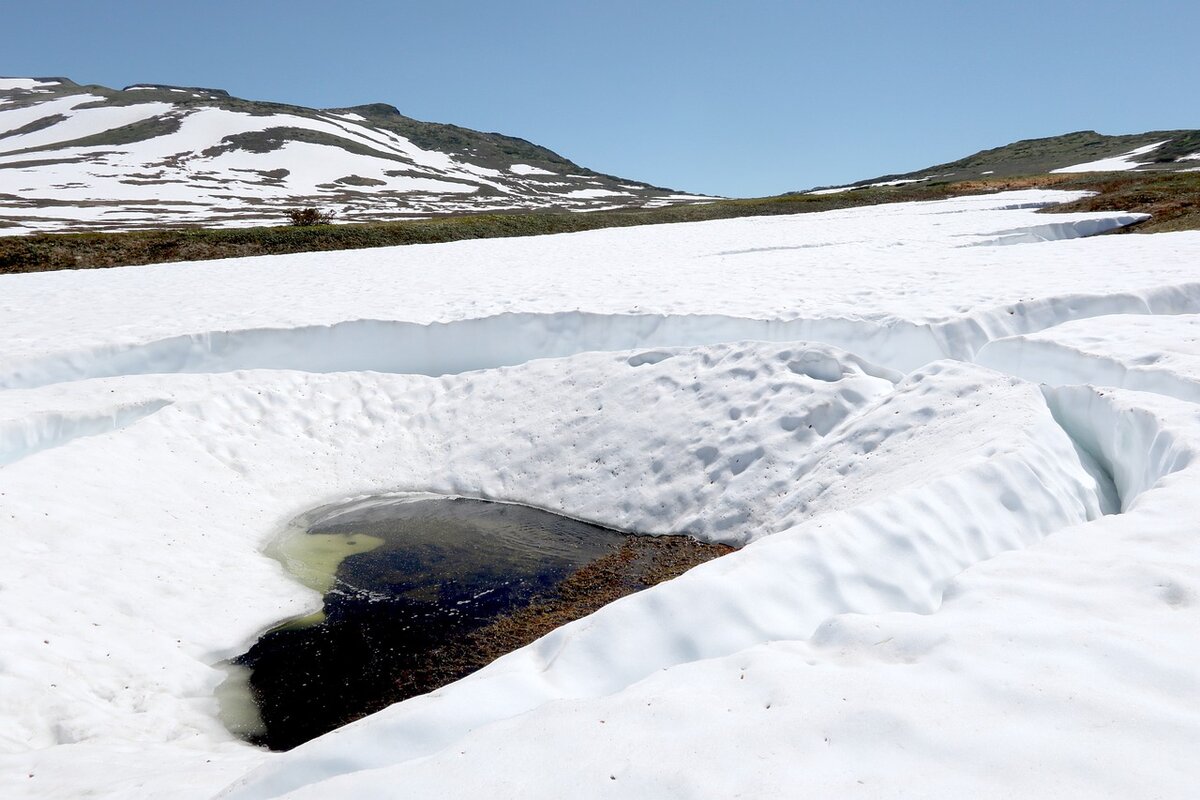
(419, 593)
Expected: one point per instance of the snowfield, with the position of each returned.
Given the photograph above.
(963, 474)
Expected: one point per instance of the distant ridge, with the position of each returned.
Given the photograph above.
(89, 158)
(1081, 151)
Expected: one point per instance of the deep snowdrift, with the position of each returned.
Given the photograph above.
(934, 587)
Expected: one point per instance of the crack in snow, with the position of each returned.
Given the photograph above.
(445, 348)
(24, 436)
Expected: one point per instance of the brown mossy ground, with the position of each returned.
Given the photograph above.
(1170, 197)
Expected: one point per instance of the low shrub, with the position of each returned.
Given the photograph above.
(303, 217)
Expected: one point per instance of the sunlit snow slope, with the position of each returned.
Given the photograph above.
(966, 570)
(91, 158)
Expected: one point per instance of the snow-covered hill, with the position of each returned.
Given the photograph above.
(90, 158)
(961, 448)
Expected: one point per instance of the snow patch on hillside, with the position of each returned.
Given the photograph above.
(527, 169)
(840, 189)
(25, 84)
(1121, 163)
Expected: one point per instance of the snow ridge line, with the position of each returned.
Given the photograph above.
(442, 348)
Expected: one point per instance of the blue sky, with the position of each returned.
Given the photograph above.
(738, 99)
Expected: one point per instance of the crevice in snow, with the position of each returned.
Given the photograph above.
(1093, 460)
(1058, 231)
(1129, 443)
(1059, 363)
(443, 348)
(20, 438)
(967, 337)
(446, 348)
